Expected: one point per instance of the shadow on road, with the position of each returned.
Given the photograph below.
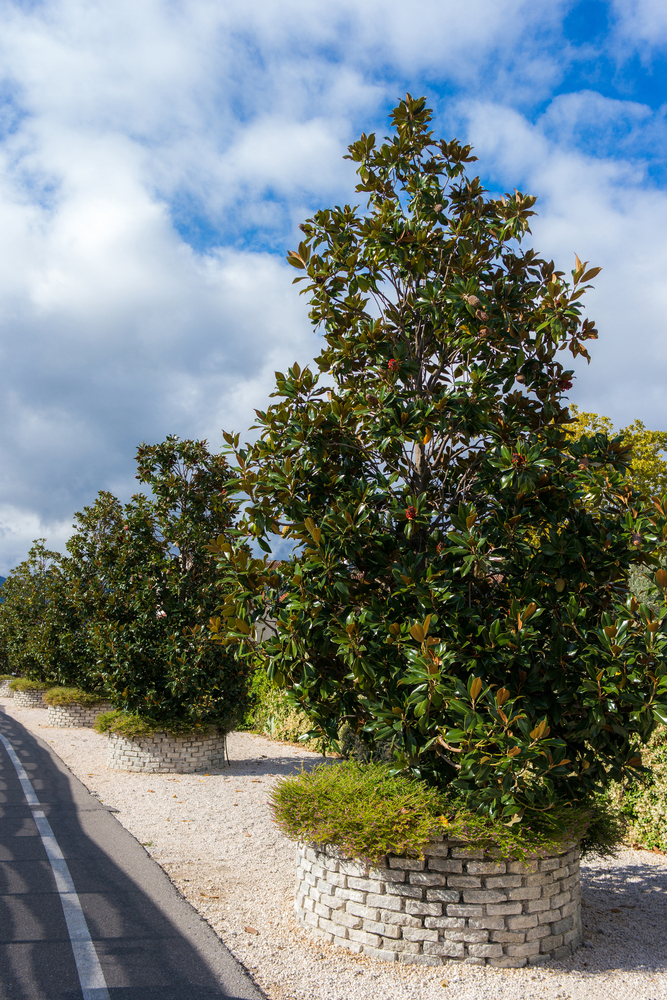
(151, 944)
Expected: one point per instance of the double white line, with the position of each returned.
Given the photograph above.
(91, 977)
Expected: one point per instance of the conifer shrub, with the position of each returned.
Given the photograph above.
(27, 684)
(368, 811)
(273, 713)
(134, 726)
(73, 696)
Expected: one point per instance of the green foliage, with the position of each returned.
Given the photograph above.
(368, 812)
(272, 712)
(643, 803)
(362, 809)
(7, 677)
(72, 696)
(147, 587)
(135, 726)
(458, 584)
(352, 746)
(25, 684)
(40, 627)
(647, 470)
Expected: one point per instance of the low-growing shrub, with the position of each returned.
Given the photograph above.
(24, 684)
(369, 812)
(643, 804)
(72, 696)
(7, 677)
(273, 714)
(135, 726)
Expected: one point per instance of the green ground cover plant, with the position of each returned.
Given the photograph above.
(458, 583)
(368, 811)
(26, 684)
(135, 726)
(72, 696)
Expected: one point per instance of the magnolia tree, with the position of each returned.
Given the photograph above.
(458, 582)
(41, 632)
(147, 587)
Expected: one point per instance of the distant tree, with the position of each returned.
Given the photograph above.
(647, 469)
(149, 587)
(40, 628)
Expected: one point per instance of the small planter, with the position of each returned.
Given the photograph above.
(163, 752)
(29, 698)
(74, 714)
(455, 905)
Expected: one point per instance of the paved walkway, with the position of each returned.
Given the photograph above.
(84, 912)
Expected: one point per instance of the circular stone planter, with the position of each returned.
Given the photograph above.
(161, 752)
(74, 714)
(30, 699)
(5, 690)
(456, 904)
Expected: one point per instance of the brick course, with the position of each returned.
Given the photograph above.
(29, 699)
(5, 690)
(434, 915)
(164, 753)
(67, 716)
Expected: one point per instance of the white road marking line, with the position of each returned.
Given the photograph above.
(91, 977)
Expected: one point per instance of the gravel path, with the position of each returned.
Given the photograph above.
(214, 836)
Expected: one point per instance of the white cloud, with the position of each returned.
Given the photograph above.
(641, 23)
(605, 211)
(124, 125)
(19, 529)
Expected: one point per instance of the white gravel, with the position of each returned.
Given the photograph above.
(214, 836)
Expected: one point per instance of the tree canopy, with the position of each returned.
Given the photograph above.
(647, 468)
(459, 579)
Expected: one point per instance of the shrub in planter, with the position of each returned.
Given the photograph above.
(436, 870)
(5, 689)
(459, 582)
(148, 587)
(369, 811)
(73, 696)
(119, 723)
(27, 693)
(140, 744)
(26, 684)
(74, 707)
(40, 630)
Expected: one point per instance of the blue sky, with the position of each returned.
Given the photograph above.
(157, 158)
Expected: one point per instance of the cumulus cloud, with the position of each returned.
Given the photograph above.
(156, 159)
(641, 24)
(605, 210)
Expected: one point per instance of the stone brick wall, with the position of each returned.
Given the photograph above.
(66, 716)
(29, 699)
(455, 905)
(165, 753)
(5, 690)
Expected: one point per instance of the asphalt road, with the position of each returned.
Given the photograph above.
(84, 911)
